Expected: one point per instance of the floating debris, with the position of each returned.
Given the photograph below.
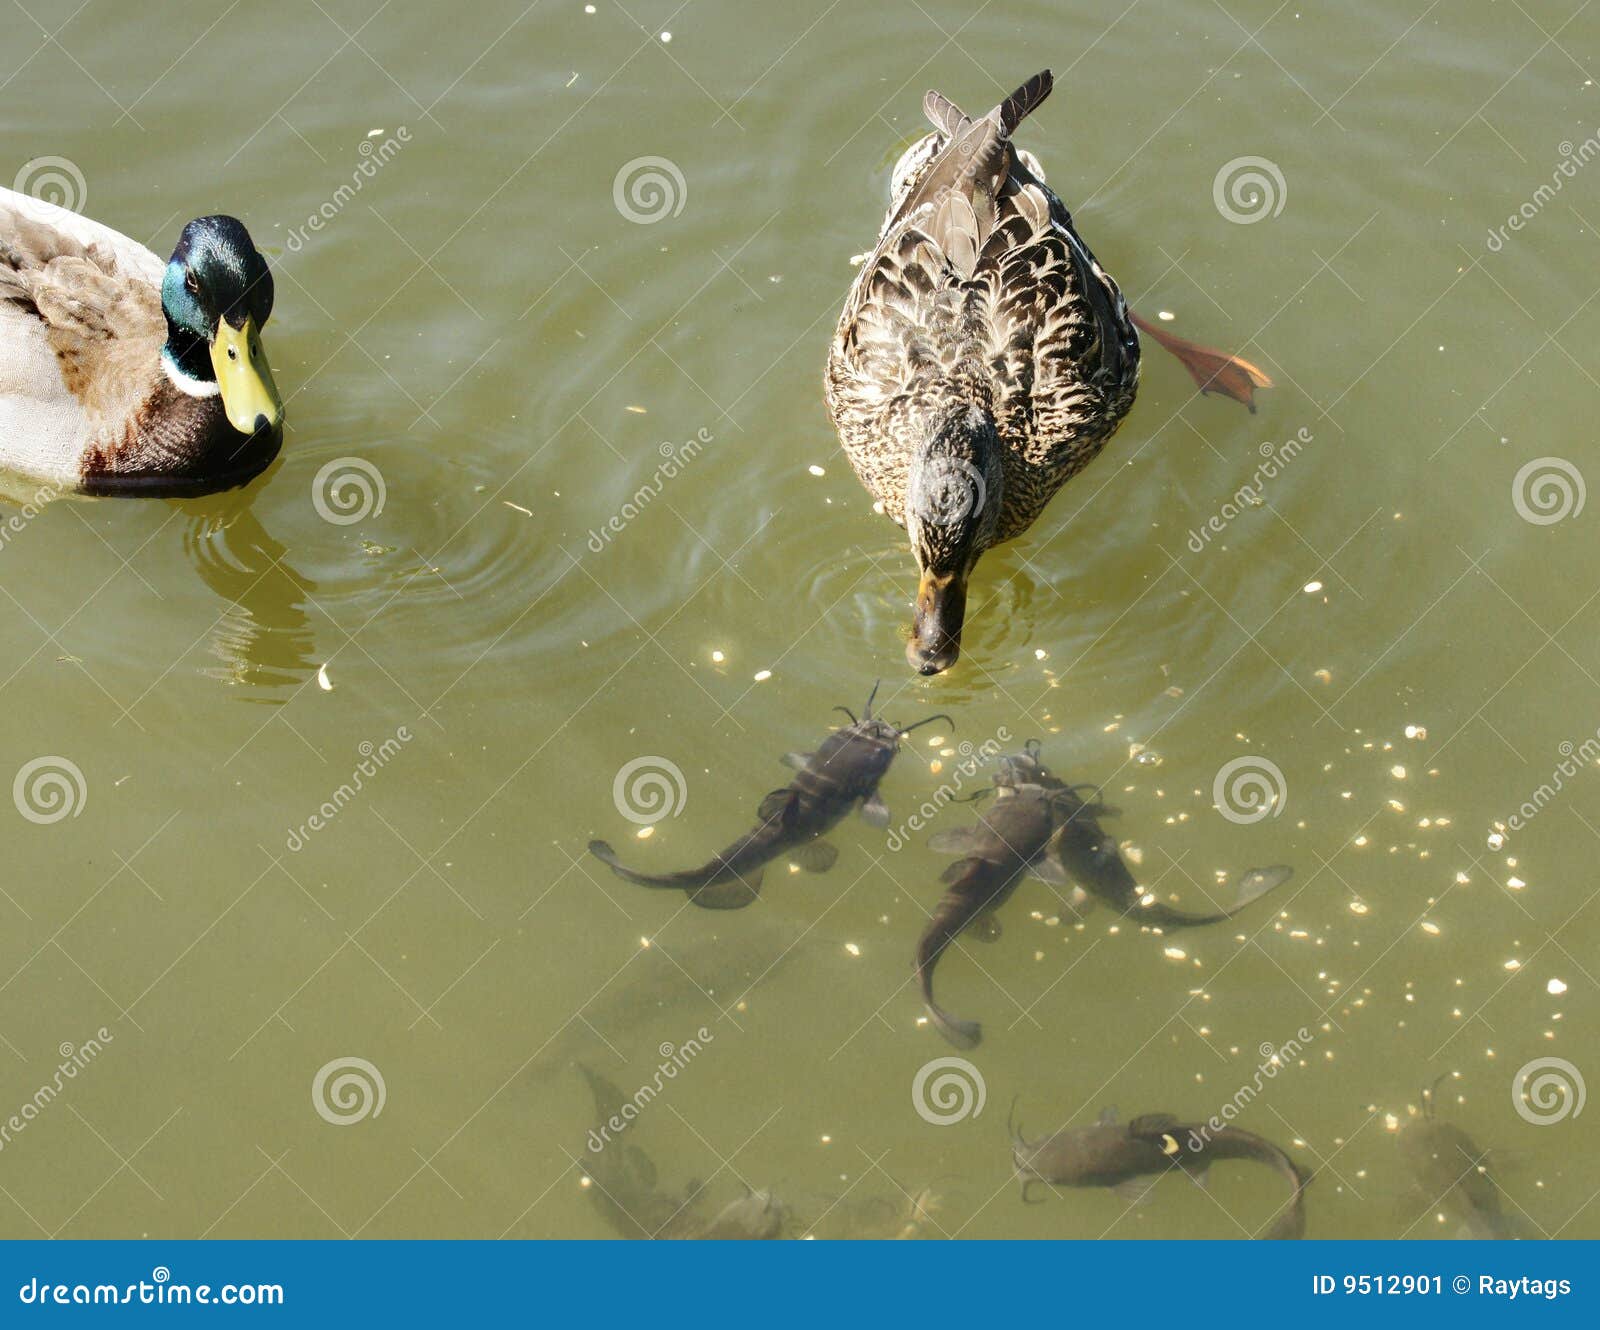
(323, 681)
(1311, 588)
(1555, 988)
(816, 470)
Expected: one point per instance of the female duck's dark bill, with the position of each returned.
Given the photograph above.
(941, 610)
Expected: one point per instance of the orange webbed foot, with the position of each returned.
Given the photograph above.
(1212, 371)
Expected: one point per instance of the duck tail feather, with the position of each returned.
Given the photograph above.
(943, 114)
(1025, 100)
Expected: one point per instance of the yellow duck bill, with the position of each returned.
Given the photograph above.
(249, 395)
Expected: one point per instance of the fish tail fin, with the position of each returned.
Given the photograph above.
(962, 1034)
(1257, 882)
(1290, 1223)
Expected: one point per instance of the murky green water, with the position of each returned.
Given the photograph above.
(480, 323)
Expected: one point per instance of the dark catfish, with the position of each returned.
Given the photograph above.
(1011, 838)
(1092, 860)
(1129, 1157)
(842, 775)
(1451, 1174)
(624, 1189)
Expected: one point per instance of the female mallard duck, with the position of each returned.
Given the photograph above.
(983, 357)
(119, 375)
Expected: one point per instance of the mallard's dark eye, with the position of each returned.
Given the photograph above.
(191, 283)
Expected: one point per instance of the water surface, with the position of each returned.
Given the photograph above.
(615, 525)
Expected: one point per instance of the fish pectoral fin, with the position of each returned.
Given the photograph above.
(1047, 868)
(776, 804)
(1135, 1191)
(953, 840)
(729, 895)
(874, 812)
(959, 870)
(796, 761)
(817, 856)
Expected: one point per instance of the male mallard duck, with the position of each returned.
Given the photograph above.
(119, 375)
(983, 357)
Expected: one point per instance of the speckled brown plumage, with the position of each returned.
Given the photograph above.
(980, 293)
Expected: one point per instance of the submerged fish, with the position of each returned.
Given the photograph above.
(842, 775)
(1451, 1175)
(1092, 860)
(1128, 1158)
(1010, 839)
(624, 1187)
